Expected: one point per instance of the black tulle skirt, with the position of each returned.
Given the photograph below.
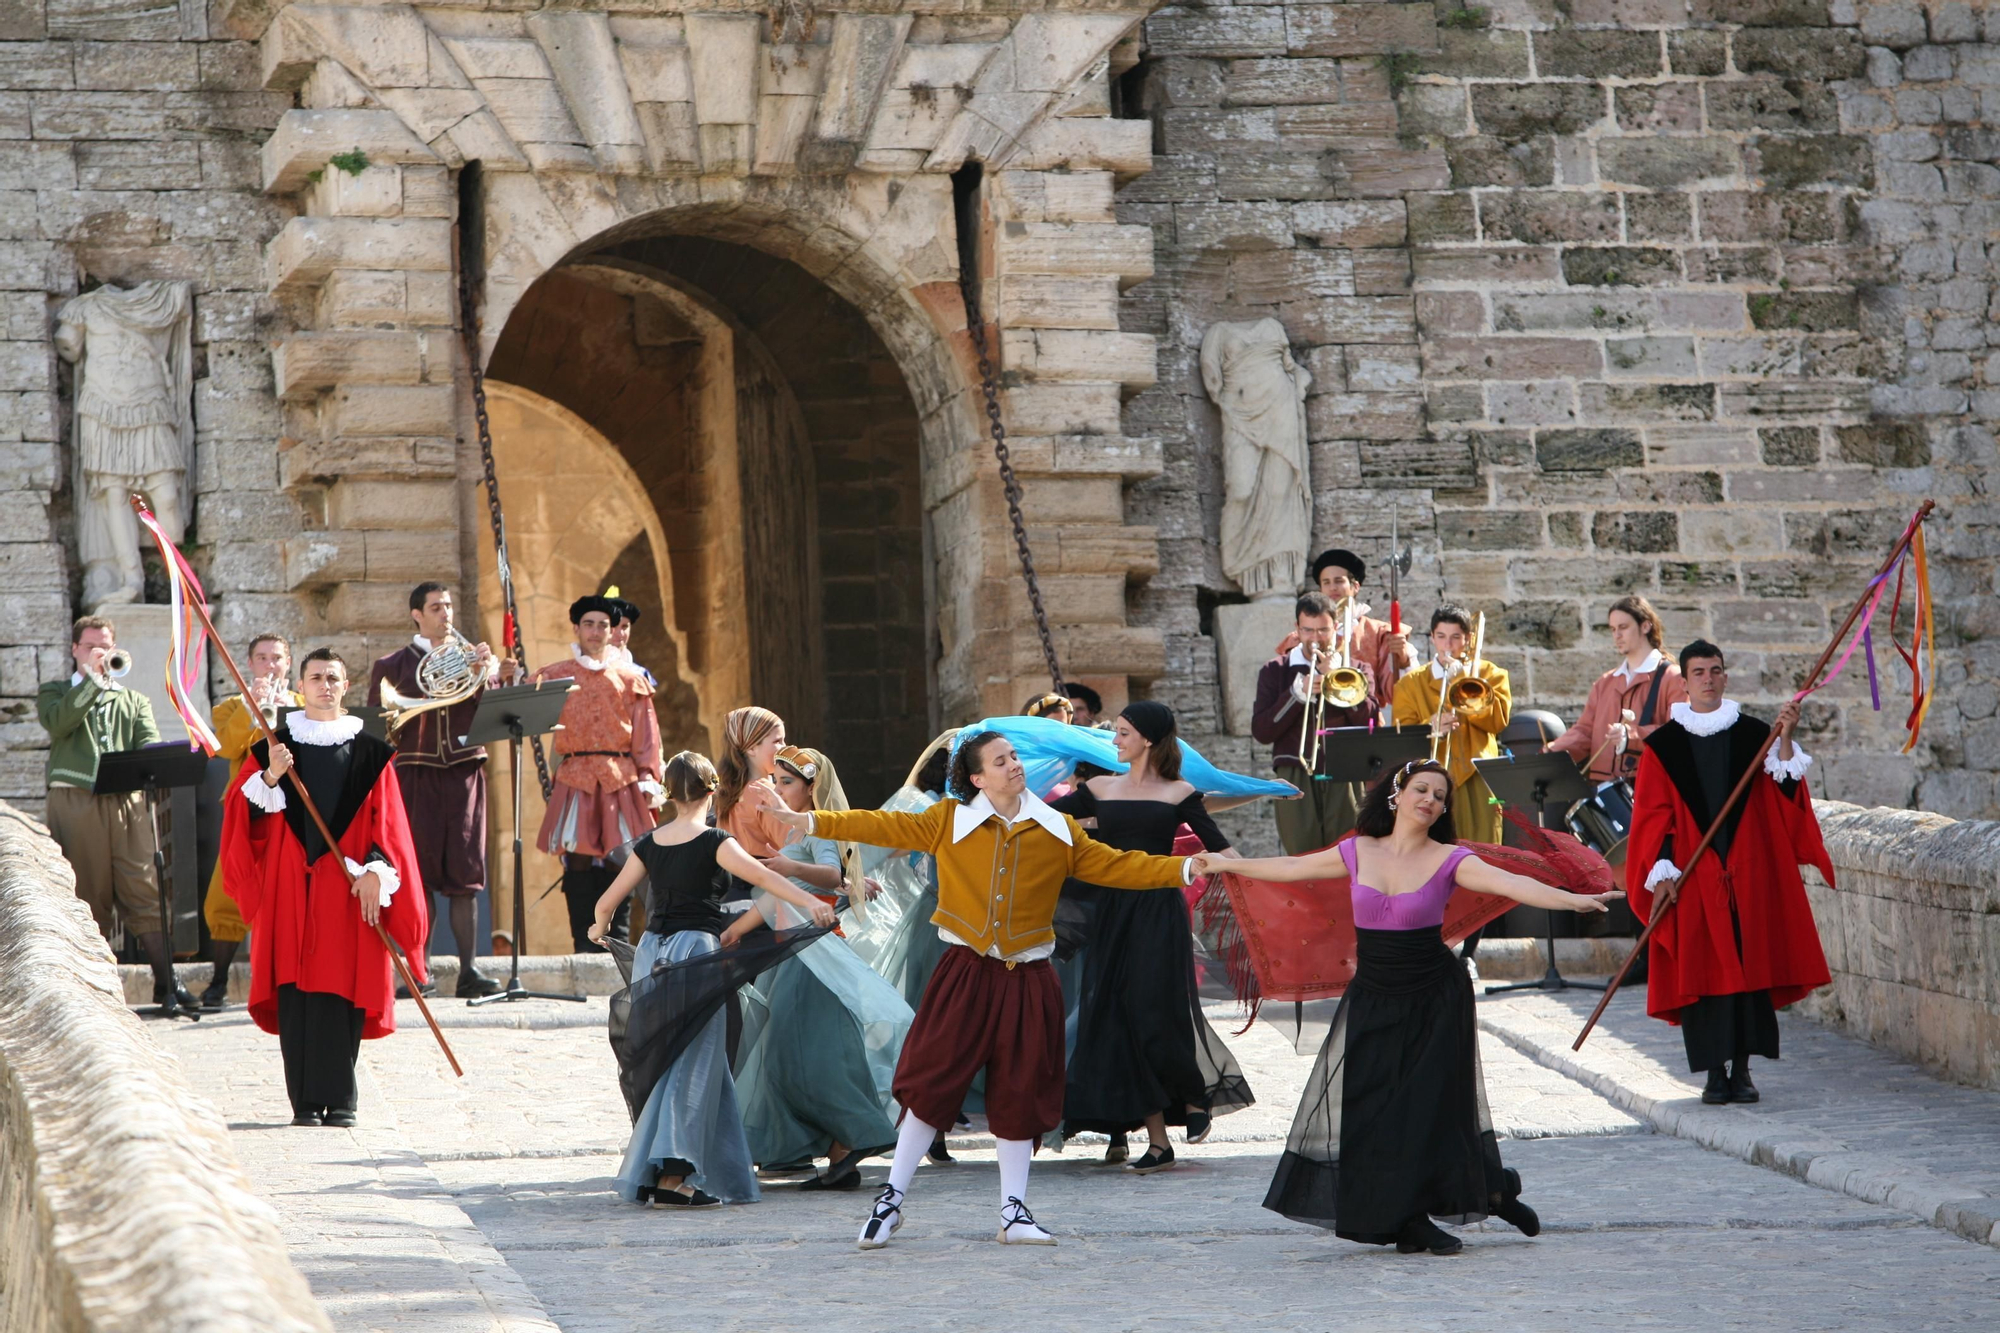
(656, 1017)
(1143, 1045)
(1393, 1124)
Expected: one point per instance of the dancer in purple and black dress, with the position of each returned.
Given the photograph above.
(1145, 1056)
(1393, 1129)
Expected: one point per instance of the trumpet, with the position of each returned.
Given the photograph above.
(117, 663)
(448, 675)
(1342, 685)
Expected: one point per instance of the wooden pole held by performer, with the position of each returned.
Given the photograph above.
(299, 786)
(1756, 763)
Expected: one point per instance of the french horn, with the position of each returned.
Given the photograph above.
(449, 674)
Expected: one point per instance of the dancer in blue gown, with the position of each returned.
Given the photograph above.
(817, 1083)
(688, 1149)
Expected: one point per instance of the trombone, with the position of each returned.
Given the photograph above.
(1462, 685)
(1342, 685)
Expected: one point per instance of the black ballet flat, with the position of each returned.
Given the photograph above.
(675, 1201)
(939, 1153)
(339, 1120)
(845, 1175)
(1421, 1234)
(1198, 1125)
(1153, 1159)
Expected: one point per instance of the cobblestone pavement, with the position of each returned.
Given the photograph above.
(1835, 1111)
(486, 1203)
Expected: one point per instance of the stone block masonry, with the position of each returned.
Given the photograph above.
(89, 1108)
(1692, 306)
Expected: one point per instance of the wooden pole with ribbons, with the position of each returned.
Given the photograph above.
(1742, 786)
(319, 821)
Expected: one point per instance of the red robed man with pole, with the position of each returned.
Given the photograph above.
(320, 976)
(1743, 943)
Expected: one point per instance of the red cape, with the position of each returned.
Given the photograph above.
(1694, 951)
(306, 929)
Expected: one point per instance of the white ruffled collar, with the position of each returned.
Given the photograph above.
(306, 731)
(1722, 719)
(587, 662)
(423, 644)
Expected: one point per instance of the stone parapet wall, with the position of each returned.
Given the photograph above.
(1912, 935)
(121, 1204)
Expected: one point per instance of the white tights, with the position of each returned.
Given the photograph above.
(915, 1137)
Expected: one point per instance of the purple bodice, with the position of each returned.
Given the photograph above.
(1422, 910)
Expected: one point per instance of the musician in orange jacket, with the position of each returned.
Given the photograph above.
(1645, 684)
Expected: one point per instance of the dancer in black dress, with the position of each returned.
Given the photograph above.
(1145, 1055)
(1393, 1128)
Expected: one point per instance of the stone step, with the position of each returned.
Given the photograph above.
(561, 974)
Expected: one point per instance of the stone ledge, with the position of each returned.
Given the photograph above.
(88, 1106)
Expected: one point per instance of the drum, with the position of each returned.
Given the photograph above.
(1602, 820)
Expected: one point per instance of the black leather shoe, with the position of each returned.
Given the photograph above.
(306, 1118)
(1716, 1091)
(472, 984)
(842, 1175)
(1741, 1089)
(177, 1003)
(939, 1153)
(216, 996)
(338, 1120)
(1515, 1213)
(1421, 1234)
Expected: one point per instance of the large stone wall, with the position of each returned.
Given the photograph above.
(1912, 936)
(1599, 296)
(121, 1204)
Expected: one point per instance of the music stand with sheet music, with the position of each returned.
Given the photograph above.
(1539, 781)
(153, 769)
(512, 713)
(1364, 754)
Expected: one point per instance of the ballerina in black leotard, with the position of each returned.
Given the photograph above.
(1145, 1055)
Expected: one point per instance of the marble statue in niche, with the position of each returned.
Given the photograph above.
(134, 425)
(1251, 377)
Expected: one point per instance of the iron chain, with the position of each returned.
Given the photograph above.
(969, 285)
(469, 321)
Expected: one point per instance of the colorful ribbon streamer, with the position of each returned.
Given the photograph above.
(1913, 564)
(185, 673)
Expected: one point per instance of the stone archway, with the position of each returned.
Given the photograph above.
(830, 148)
(574, 511)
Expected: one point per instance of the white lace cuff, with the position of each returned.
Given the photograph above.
(1787, 770)
(268, 799)
(391, 881)
(1662, 870)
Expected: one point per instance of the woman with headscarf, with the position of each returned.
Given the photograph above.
(1144, 1054)
(818, 1082)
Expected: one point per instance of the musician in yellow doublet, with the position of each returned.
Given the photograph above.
(1479, 722)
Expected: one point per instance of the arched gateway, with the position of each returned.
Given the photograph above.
(726, 246)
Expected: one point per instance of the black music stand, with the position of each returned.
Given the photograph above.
(153, 769)
(372, 722)
(1364, 754)
(512, 713)
(1545, 780)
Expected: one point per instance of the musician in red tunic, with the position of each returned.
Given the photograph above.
(319, 975)
(1740, 942)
